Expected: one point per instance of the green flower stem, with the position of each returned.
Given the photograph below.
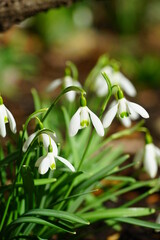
(108, 95)
(68, 89)
(80, 164)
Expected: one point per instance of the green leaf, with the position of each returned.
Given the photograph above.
(117, 212)
(10, 158)
(44, 181)
(37, 103)
(28, 184)
(101, 174)
(139, 222)
(40, 221)
(57, 214)
(71, 140)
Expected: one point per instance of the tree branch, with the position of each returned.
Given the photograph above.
(15, 11)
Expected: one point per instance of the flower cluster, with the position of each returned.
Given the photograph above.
(47, 161)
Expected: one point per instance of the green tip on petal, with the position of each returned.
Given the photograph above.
(53, 166)
(148, 138)
(84, 123)
(124, 114)
(1, 100)
(5, 119)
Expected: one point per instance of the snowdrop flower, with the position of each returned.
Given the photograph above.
(67, 81)
(44, 138)
(49, 160)
(6, 117)
(81, 119)
(125, 110)
(116, 78)
(150, 156)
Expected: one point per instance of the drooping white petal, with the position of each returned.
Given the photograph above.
(66, 162)
(44, 165)
(137, 108)
(150, 163)
(109, 116)
(3, 115)
(12, 122)
(157, 150)
(126, 121)
(74, 125)
(68, 82)
(39, 160)
(47, 140)
(53, 85)
(96, 123)
(138, 158)
(125, 84)
(133, 114)
(28, 141)
(101, 87)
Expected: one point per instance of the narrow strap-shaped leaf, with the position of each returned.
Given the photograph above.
(139, 222)
(101, 174)
(28, 219)
(117, 212)
(57, 214)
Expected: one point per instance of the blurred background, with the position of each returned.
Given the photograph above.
(34, 52)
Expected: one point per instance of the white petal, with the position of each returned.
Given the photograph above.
(68, 82)
(46, 142)
(101, 87)
(150, 163)
(109, 116)
(96, 123)
(122, 106)
(157, 150)
(137, 108)
(74, 125)
(53, 85)
(2, 123)
(126, 121)
(28, 141)
(44, 165)
(126, 85)
(66, 162)
(39, 160)
(11, 120)
(138, 158)
(133, 114)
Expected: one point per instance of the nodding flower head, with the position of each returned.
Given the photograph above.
(125, 110)
(6, 117)
(49, 160)
(150, 156)
(82, 119)
(46, 139)
(116, 78)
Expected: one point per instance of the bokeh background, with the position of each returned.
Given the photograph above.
(34, 52)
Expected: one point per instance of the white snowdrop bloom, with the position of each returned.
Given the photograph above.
(81, 119)
(67, 81)
(6, 117)
(45, 138)
(151, 158)
(126, 111)
(49, 161)
(116, 78)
